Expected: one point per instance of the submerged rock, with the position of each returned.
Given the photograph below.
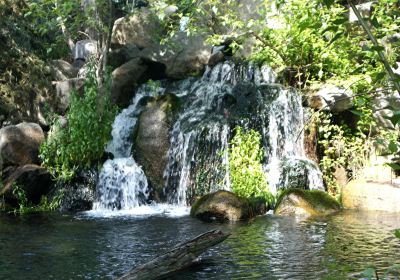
(19, 144)
(305, 202)
(226, 206)
(363, 195)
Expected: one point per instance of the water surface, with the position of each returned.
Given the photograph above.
(55, 246)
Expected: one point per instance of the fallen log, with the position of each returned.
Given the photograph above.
(181, 257)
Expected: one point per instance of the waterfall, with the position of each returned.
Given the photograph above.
(228, 95)
(122, 183)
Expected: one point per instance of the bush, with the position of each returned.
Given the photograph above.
(246, 172)
(89, 124)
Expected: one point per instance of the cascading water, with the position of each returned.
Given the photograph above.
(226, 96)
(122, 183)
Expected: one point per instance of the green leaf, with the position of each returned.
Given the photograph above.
(394, 166)
(328, 3)
(340, 21)
(393, 147)
(397, 233)
(337, 36)
(355, 112)
(377, 48)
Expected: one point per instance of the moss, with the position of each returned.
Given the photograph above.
(315, 201)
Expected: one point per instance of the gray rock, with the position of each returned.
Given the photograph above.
(382, 118)
(153, 139)
(62, 70)
(19, 144)
(64, 90)
(216, 58)
(300, 173)
(331, 97)
(119, 56)
(141, 29)
(364, 9)
(183, 57)
(84, 49)
(78, 194)
(125, 78)
(226, 206)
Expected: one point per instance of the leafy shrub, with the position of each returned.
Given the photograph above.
(89, 124)
(246, 172)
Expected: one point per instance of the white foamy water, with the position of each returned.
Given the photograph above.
(156, 209)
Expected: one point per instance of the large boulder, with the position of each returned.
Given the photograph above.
(141, 29)
(32, 180)
(183, 56)
(125, 78)
(153, 139)
(363, 195)
(226, 206)
(305, 202)
(19, 144)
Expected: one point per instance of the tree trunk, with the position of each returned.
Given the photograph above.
(177, 259)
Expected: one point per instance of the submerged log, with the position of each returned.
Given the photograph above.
(181, 257)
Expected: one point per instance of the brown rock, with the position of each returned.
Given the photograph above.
(305, 202)
(363, 195)
(226, 206)
(32, 179)
(19, 144)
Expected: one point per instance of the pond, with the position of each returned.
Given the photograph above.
(56, 246)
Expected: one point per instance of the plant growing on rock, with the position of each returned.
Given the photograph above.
(88, 129)
(247, 176)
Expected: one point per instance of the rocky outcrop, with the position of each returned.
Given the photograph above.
(19, 144)
(33, 180)
(226, 206)
(383, 105)
(332, 98)
(62, 70)
(125, 78)
(304, 202)
(136, 53)
(141, 29)
(153, 139)
(64, 89)
(363, 195)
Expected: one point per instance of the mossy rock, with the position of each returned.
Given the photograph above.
(305, 202)
(226, 206)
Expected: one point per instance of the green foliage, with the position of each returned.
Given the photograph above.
(26, 207)
(82, 142)
(397, 233)
(246, 172)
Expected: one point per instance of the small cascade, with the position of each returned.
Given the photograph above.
(228, 95)
(122, 183)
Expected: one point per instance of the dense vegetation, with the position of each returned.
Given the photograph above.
(82, 140)
(246, 172)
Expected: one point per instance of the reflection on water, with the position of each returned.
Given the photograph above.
(269, 247)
